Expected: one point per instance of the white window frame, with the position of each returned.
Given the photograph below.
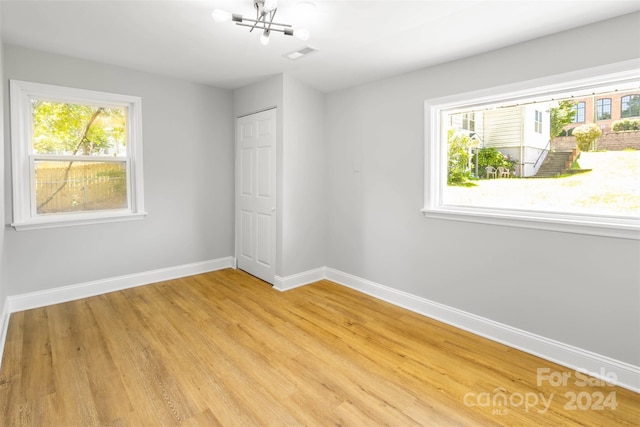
(582, 83)
(25, 216)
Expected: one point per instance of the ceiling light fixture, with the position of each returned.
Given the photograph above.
(265, 12)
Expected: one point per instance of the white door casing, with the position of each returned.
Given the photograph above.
(256, 194)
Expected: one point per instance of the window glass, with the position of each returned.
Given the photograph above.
(604, 108)
(62, 128)
(630, 106)
(580, 108)
(72, 186)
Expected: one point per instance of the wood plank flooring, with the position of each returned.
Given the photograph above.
(224, 348)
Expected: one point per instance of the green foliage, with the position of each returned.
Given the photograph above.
(567, 132)
(626, 124)
(492, 157)
(458, 157)
(561, 116)
(586, 135)
(76, 129)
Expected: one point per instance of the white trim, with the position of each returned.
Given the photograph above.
(628, 376)
(84, 290)
(565, 223)
(579, 83)
(296, 280)
(84, 219)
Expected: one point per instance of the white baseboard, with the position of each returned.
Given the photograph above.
(627, 375)
(296, 280)
(98, 287)
(584, 361)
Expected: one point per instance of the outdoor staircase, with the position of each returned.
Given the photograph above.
(556, 163)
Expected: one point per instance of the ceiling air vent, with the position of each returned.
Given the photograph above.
(300, 53)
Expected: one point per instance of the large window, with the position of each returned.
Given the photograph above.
(504, 174)
(630, 106)
(77, 156)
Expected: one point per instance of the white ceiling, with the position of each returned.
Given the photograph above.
(357, 41)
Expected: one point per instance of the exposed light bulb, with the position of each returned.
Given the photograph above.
(301, 34)
(270, 5)
(219, 15)
(264, 38)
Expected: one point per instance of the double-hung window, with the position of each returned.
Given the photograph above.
(76, 156)
(509, 172)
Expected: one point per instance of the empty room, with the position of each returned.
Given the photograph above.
(315, 213)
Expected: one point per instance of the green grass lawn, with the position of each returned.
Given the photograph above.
(612, 187)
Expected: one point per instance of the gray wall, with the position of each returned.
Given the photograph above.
(3, 265)
(301, 167)
(260, 96)
(188, 179)
(303, 232)
(577, 289)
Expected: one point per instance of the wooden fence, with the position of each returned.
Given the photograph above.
(80, 186)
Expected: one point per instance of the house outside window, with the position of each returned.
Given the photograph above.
(77, 156)
(580, 109)
(603, 107)
(630, 106)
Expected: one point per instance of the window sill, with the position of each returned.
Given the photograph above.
(621, 228)
(74, 220)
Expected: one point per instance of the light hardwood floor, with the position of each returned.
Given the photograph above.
(224, 348)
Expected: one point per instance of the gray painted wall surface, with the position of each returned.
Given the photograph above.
(188, 178)
(3, 265)
(303, 233)
(577, 289)
(301, 166)
(260, 96)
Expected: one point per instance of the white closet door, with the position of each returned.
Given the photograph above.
(256, 212)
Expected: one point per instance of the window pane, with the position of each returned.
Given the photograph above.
(579, 112)
(70, 186)
(70, 129)
(630, 106)
(604, 109)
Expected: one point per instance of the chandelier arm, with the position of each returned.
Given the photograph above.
(282, 30)
(253, 20)
(272, 15)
